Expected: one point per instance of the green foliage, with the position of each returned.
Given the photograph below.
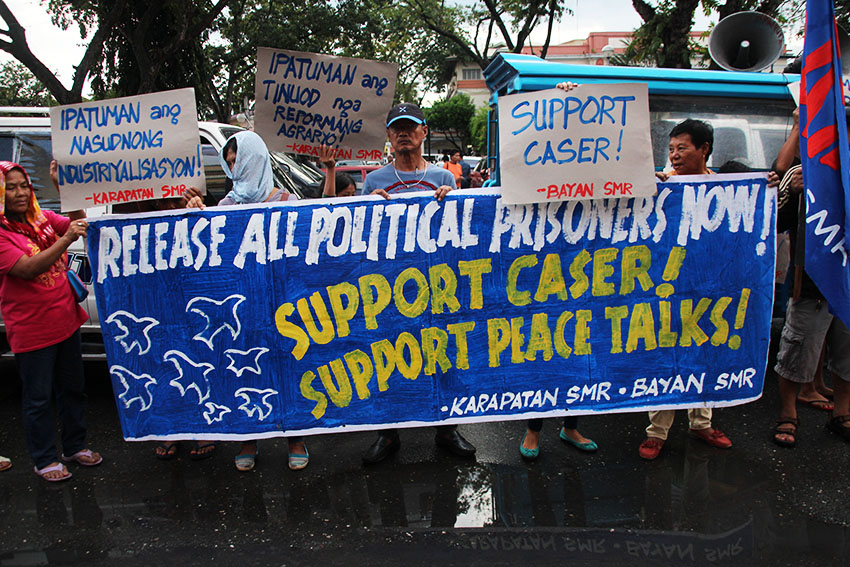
(452, 117)
(478, 129)
(19, 87)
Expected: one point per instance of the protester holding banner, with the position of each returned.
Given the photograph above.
(406, 130)
(42, 321)
(691, 143)
(530, 447)
(245, 160)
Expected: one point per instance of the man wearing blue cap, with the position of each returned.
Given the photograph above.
(407, 130)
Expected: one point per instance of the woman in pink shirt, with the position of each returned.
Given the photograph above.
(43, 322)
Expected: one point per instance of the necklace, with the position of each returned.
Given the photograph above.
(418, 181)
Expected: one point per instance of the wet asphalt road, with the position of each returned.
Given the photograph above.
(755, 504)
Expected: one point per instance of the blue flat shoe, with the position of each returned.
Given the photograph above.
(589, 447)
(528, 454)
(298, 461)
(245, 462)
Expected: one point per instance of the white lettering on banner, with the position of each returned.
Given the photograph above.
(831, 231)
(530, 399)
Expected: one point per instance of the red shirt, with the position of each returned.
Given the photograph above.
(42, 311)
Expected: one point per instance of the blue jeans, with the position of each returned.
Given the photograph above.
(54, 370)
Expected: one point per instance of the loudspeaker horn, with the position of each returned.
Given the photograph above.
(746, 41)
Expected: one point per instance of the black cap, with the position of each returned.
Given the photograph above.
(405, 111)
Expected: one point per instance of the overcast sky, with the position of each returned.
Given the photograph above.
(61, 50)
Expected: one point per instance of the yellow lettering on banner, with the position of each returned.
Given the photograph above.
(340, 395)
(516, 297)
(459, 330)
(420, 303)
(343, 314)
(551, 280)
(409, 370)
(690, 321)
(326, 334)
(666, 338)
(641, 326)
(291, 331)
(561, 346)
(434, 343)
(541, 337)
(360, 366)
(498, 339)
(616, 316)
(517, 340)
(636, 263)
(374, 303)
(721, 335)
(580, 344)
(474, 270)
(310, 393)
(577, 266)
(443, 296)
(383, 352)
(602, 270)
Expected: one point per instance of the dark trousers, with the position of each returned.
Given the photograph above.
(570, 422)
(441, 430)
(54, 370)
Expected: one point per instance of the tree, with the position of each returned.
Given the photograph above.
(473, 27)
(663, 40)
(19, 87)
(478, 129)
(452, 118)
(304, 25)
(386, 30)
(13, 41)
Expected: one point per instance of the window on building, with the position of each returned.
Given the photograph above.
(472, 74)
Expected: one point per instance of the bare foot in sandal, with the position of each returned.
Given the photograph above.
(785, 432)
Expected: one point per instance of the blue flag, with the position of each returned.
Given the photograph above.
(826, 160)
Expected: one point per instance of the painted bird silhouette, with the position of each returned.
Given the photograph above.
(241, 360)
(256, 401)
(191, 375)
(219, 315)
(134, 331)
(137, 388)
(214, 412)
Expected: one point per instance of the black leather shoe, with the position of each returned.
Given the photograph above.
(455, 443)
(383, 447)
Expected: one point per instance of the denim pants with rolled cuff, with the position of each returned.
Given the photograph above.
(57, 371)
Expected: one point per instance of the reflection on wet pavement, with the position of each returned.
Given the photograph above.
(693, 506)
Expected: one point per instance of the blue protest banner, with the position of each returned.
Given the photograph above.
(339, 315)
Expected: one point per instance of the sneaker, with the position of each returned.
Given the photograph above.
(650, 448)
(713, 437)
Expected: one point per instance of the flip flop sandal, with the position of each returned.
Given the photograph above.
(245, 462)
(200, 452)
(58, 467)
(823, 405)
(792, 433)
(5, 464)
(83, 458)
(169, 450)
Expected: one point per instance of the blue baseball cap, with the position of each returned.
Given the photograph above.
(406, 111)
